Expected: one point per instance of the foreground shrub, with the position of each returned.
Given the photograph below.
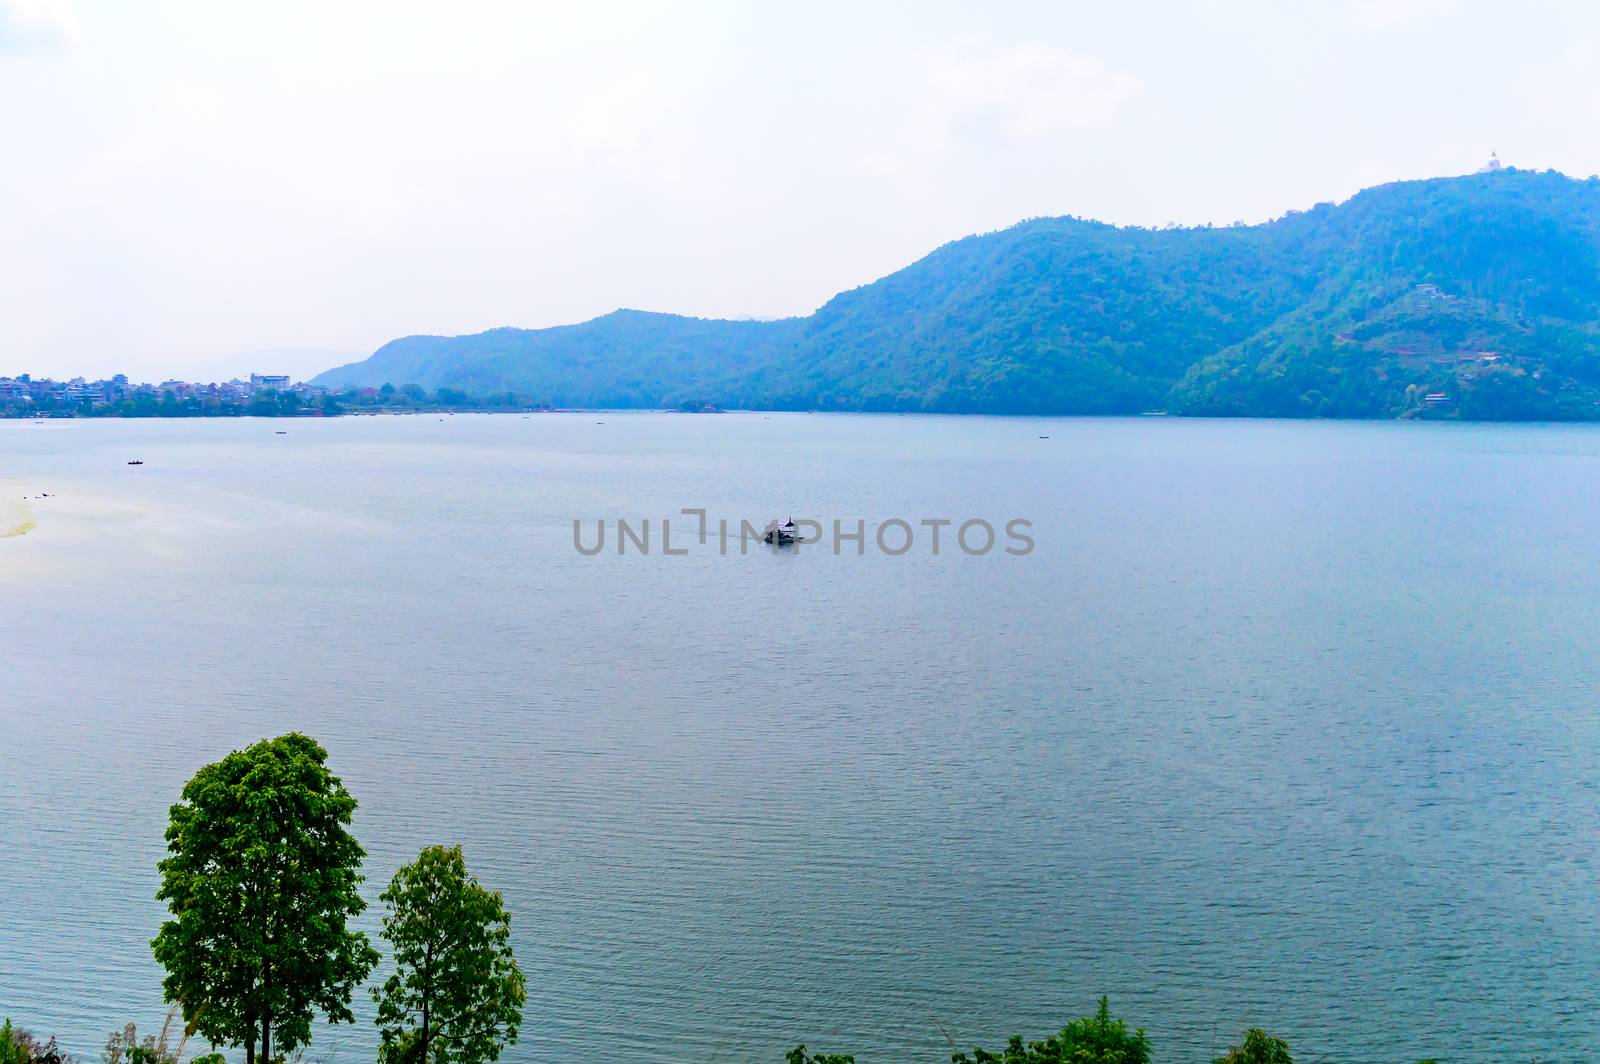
(798, 1055)
(11, 1051)
(20, 1047)
(1096, 1039)
(126, 1047)
(1259, 1047)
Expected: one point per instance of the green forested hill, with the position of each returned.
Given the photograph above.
(1482, 292)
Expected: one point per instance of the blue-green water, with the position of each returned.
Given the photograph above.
(1280, 724)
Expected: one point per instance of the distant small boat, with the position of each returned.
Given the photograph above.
(781, 535)
(281, 432)
(1044, 437)
(137, 461)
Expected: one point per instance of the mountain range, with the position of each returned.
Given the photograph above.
(1474, 297)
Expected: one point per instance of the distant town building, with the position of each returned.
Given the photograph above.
(77, 390)
(26, 396)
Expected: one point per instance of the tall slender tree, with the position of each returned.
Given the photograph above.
(456, 995)
(261, 878)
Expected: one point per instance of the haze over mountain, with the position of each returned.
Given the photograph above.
(1471, 296)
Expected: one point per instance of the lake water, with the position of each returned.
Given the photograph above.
(1280, 724)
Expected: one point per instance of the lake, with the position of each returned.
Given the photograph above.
(1281, 724)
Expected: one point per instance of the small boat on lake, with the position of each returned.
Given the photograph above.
(781, 535)
(137, 461)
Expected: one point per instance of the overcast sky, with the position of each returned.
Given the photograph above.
(211, 187)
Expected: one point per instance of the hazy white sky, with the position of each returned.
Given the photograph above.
(184, 184)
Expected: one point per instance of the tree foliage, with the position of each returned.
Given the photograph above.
(1258, 1047)
(798, 1055)
(19, 1047)
(1097, 1039)
(261, 879)
(456, 994)
(11, 1051)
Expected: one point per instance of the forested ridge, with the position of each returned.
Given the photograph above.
(1473, 296)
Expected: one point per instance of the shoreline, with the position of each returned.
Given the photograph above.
(1149, 415)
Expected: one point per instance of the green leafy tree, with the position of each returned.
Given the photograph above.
(456, 995)
(1097, 1039)
(261, 878)
(798, 1055)
(1258, 1047)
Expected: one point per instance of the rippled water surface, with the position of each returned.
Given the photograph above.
(1280, 724)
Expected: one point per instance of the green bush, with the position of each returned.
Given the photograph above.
(1096, 1039)
(20, 1047)
(798, 1055)
(12, 1049)
(1258, 1047)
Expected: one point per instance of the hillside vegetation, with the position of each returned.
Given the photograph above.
(1471, 296)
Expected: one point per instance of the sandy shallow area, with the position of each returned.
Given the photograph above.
(65, 533)
(16, 518)
(76, 530)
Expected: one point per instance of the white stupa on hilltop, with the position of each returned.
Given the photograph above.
(1492, 165)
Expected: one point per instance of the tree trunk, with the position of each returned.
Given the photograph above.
(266, 1016)
(250, 1044)
(427, 998)
(425, 1033)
